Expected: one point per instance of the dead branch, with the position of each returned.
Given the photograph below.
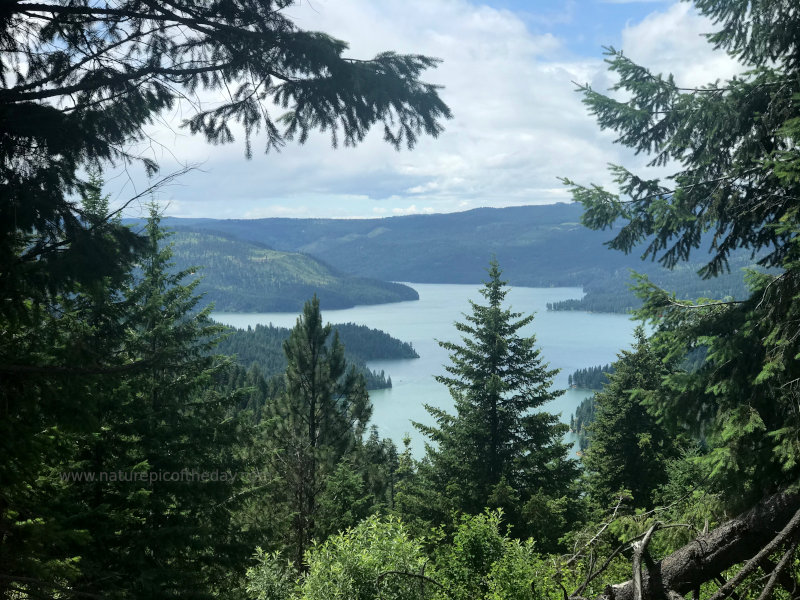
(639, 549)
(787, 557)
(769, 525)
(753, 563)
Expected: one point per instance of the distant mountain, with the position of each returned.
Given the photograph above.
(542, 245)
(245, 276)
(536, 245)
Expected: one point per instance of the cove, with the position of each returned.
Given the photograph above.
(568, 341)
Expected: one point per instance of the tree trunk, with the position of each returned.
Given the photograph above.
(705, 558)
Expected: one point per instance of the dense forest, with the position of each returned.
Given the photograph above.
(138, 462)
(590, 378)
(581, 420)
(262, 346)
(240, 276)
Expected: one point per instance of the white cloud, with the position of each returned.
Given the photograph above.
(518, 124)
(673, 41)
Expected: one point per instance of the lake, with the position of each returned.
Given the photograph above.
(569, 340)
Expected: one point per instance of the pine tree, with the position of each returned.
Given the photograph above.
(499, 448)
(317, 421)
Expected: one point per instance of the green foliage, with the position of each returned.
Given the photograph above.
(733, 148)
(629, 447)
(499, 447)
(484, 562)
(272, 578)
(343, 502)
(241, 276)
(375, 559)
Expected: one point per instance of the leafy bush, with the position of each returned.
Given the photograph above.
(365, 563)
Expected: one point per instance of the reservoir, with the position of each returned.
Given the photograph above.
(568, 340)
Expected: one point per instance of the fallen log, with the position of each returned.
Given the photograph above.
(749, 538)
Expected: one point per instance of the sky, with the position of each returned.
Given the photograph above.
(508, 71)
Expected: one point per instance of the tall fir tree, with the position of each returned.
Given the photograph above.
(163, 456)
(499, 448)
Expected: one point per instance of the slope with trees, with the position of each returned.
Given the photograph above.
(540, 246)
(240, 276)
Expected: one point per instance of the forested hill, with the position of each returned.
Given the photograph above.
(246, 276)
(263, 346)
(542, 245)
(537, 245)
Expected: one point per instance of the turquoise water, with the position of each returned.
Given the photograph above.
(569, 341)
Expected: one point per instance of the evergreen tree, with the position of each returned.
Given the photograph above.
(70, 349)
(498, 449)
(630, 448)
(317, 421)
(734, 149)
(160, 520)
(96, 73)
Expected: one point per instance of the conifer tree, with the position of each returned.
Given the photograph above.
(499, 448)
(318, 419)
(732, 147)
(162, 452)
(630, 448)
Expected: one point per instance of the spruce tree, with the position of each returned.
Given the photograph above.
(163, 451)
(499, 448)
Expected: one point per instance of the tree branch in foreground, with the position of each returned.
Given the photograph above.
(771, 524)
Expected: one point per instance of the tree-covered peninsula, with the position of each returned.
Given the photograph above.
(262, 346)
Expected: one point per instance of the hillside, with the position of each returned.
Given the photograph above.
(541, 245)
(441, 248)
(245, 276)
